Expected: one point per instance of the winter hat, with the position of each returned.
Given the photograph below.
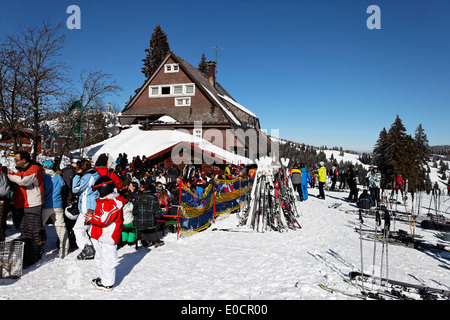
(102, 160)
(321, 163)
(47, 164)
(74, 158)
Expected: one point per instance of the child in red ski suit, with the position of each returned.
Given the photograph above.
(106, 231)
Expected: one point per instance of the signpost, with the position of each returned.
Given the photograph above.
(76, 118)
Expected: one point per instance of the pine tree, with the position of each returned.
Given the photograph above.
(421, 141)
(379, 154)
(203, 65)
(396, 151)
(421, 156)
(159, 48)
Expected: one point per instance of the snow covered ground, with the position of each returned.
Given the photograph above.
(241, 264)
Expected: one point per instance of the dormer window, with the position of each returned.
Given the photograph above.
(171, 68)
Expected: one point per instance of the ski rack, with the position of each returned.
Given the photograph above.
(272, 204)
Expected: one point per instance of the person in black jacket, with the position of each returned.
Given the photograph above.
(69, 198)
(365, 200)
(351, 180)
(146, 212)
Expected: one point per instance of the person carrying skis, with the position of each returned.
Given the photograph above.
(296, 178)
(306, 178)
(106, 230)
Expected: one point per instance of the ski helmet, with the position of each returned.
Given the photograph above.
(104, 185)
(72, 212)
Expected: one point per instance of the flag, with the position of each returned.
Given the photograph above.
(76, 117)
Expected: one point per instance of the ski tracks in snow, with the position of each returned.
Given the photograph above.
(338, 264)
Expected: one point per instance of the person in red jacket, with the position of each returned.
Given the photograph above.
(106, 230)
(399, 184)
(28, 201)
(102, 169)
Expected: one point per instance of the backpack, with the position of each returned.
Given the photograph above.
(146, 211)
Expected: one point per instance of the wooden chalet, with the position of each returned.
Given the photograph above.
(24, 141)
(49, 143)
(180, 97)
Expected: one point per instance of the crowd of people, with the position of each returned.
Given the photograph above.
(301, 179)
(82, 201)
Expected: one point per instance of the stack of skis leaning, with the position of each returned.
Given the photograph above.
(272, 204)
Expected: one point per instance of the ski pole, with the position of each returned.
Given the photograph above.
(361, 221)
(387, 223)
(377, 223)
(409, 220)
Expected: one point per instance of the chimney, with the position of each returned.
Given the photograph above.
(212, 72)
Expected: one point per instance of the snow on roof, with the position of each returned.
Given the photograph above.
(228, 112)
(227, 98)
(167, 119)
(137, 142)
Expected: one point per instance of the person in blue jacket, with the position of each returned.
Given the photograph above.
(53, 205)
(306, 178)
(82, 184)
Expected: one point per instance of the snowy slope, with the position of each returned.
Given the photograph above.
(351, 157)
(240, 265)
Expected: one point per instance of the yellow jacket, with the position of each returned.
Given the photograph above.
(322, 174)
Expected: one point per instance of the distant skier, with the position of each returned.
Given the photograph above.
(306, 178)
(322, 175)
(296, 177)
(334, 175)
(399, 184)
(351, 180)
(342, 179)
(365, 200)
(374, 178)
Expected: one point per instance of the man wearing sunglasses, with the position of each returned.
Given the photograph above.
(28, 201)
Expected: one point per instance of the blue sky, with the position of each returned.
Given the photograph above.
(311, 69)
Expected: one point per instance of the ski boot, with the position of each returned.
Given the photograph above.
(87, 253)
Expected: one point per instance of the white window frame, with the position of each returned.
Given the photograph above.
(150, 92)
(185, 101)
(172, 90)
(178, 86)
(171, 68)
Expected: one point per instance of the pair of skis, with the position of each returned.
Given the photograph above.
(425, 292)
(389, 289)
(335, 205)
